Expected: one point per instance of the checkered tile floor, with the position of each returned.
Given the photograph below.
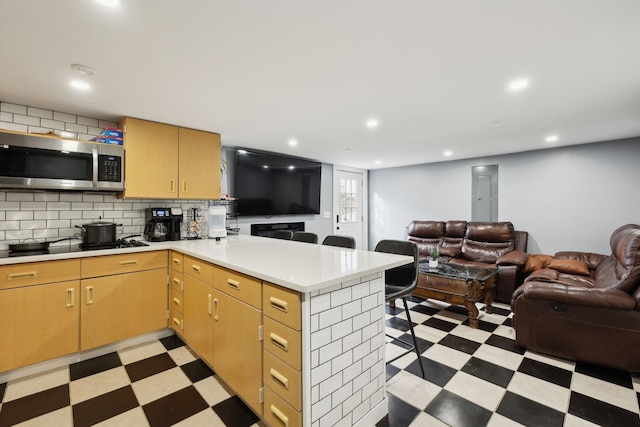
(479, 377)
(158, 384)
(474, 377)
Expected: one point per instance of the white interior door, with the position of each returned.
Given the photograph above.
(350, 204)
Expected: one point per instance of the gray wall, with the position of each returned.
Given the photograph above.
(567, 198)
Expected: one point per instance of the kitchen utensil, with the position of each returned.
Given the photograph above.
(35, 245)
(98, 233)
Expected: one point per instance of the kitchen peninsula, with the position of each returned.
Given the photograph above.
(317, 311)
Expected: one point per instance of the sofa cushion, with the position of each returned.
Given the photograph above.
(455, 229)
(427, 229)
(569, 266)
(536, 262)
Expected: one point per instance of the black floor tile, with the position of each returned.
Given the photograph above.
(393, 310)
(611, 375)
(400, 412)
(424, 309)
(488, 371)
(460, 344)
(457, 411)
(3, 387)
(483, 325)
(601, 413)
(391, 371)
(528, 412)
(434, 372)
(234, 413)
(150, 366)
(423, 344)
(505, 344)
(384, 422)
(546, 372)
(171, 342)
(94, 366)
(103, 407)
(457, 309)
(398, 323)
(34, 405)
(440, 324)
(500, 311)
(196, 370)
(415, 299)
(174, 407)
(508, 322)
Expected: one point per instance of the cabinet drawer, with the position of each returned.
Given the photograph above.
(283, 342)
(277, 413)
(35, 273)
(176, 260)
(240, 286)
(177, 321)
(176, 281)
(283, 380)
(176, 301)
(108, 265)
(199, 269)
(282, 305)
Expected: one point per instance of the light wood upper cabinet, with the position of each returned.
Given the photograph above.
(199, 164)
(168, 162)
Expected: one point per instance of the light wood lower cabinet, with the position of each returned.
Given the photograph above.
(122, 306)
(198, 317)
(40, 322)
(236, 340)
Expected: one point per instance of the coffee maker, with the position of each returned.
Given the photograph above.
(162, 224)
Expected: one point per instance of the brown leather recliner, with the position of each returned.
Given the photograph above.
(586, 307)
(483, 244)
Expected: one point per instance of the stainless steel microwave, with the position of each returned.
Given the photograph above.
(35, 162)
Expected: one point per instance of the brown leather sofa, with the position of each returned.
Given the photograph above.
(585, 306)
(483, 244)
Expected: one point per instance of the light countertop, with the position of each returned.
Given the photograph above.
(299, 266)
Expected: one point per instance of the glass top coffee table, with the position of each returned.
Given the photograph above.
(458, 285)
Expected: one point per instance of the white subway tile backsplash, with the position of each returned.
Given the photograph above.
(26, 120)
(64, 117)
(369, 302)
(45, 233)
(71, 127)
(330, 317)
(10, 225)
(18, 234)
(340, 297)
(31, 225)
(361, 410)
(70, 215)
(361, 380)
(122, 206)
(58, 206)
(92, 214)
(352, 371)
(19, 197)
(352, 340)
(321, 408)
(94, 198)
(352, 402)
(351, 309)
(361, 320)
(320, 303)
(81, 206)
(321, 373)
(369, 360)
(46, 197)
(331, 418)
(58, 223)
(39, 112)
(330, 351)
(112, 214)
(87, 121)
(6, 117)
(18, 215)
(341, 362)
(85, 137)
(13, 108)
(95, 131)
(330, 289)
(341, 394)
(330, 385)
(52, 124)
(9, 206)
(103, 206)
(13, 126)
(360, 291)
(320, 338)
(107, 124)
(71, 197)
(360, 351)
(33, 206)
(341, 329)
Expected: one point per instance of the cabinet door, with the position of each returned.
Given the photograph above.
(199, 164)
(198, 317)
(40, 322)
(238, 349)
(122, 306)
(151, 150)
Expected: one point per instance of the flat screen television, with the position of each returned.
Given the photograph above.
(275, 184)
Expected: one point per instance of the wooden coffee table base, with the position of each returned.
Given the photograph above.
(464, 293)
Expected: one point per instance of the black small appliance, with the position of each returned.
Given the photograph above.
(162, 224)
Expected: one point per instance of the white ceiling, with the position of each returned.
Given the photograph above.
(433, 72)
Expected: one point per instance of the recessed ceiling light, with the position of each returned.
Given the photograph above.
(265, 166)
(518, 85)
(83, 69)
(110, 3)
(293, 142)
(80, 85)
(378, 162)
(372, 123)
(448, 153)
(348, 149)
(551, 138)
(291, 167)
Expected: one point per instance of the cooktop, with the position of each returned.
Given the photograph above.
(63, 249)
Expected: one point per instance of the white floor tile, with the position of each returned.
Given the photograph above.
(447, 356)
(140, 352)
(498, 356)
(97, 384)
(212, 391)
(541, 391)
(206, 418)
(476, 390)
(568, 365)
(413, 390)
(423, 419)
(181, 355)
(429, 334)
(498, 420)
(34, 384)
(159, 385)
(477, 335)
(134, 417)
(607, 392)
(573, 421)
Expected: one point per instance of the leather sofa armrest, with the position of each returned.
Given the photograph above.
(518, 258)
(571, 295)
